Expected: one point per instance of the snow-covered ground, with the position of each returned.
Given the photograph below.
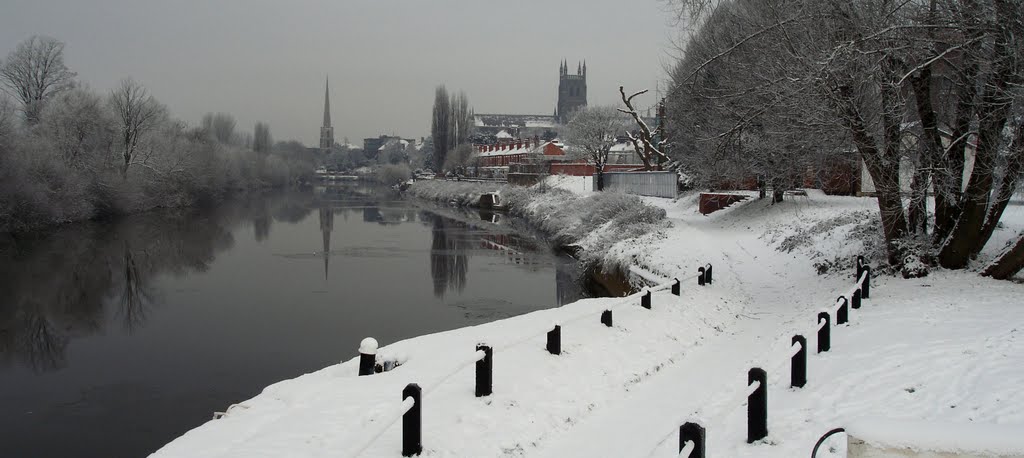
(944, 348)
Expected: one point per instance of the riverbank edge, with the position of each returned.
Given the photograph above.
(584, 227)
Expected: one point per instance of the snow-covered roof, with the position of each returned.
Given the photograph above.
(503, 134)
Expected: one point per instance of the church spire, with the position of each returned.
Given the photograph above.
(327, 103)
(326, 131)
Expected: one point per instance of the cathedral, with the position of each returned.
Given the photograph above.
(572, 95)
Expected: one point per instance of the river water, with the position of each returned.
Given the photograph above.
(116, 337)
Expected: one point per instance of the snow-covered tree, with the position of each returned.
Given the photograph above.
(591, 134)
(33, 72)
(137, 113)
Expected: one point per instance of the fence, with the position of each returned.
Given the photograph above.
(410, 408)
(654, 184)
(692, 435)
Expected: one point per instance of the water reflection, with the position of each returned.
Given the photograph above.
(78, 279)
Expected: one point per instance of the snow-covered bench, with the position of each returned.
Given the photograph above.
(879, 437)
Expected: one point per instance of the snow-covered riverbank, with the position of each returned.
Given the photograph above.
(941, 348)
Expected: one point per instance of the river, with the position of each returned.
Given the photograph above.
(118, 336)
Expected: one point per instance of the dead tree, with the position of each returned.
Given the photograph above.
(644, 144)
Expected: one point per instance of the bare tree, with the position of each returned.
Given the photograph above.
(34, 71)
(221, 127)
(137, 113)
(80, 127)
(462, 119)
(644, 143)
(591, 134)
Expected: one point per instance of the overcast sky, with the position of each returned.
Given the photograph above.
(265, 60)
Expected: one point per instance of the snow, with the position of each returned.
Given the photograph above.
(581, 185)
(974, 438)
(368, 346)
(941, 349)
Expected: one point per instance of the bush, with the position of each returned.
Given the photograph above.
(392, 174)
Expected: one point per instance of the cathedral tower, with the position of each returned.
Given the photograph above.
(326, 131)
(572, 91)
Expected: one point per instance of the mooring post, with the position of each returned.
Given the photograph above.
(367, 356)
(484, 371)
(645, 300)
(677, 287)
(692, 432)
(757, 406)
(700, 276)
(855, 301)
(824, 334)
(412, 425)
(606, 318)
(555, 340)
(798, 371)
(843, 314)
(866, 287)
(708, 275)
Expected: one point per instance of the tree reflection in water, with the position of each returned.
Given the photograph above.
(448, 260)
(81, 278)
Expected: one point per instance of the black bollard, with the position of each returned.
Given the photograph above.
(700, 277)
(824, 334)
(859, 264)
(367, 356)
(645, 300)
(677, 287)
(757, 406)
(798, 372)
(692, 432)
(412, 424)
(606, 318)
(866, 287)
(484, 371)
(707, 274)
(855, 300)
(555, 340)
(843, 314)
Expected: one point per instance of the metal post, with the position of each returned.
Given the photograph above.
(412, 425)
(692, 432)
(676, 287)
(757, 406)
(860, 266)
(645, 300)
(707, 274)
(606, 318)
(484, 371)
(700, 277)
(866, 287)
(855, 302)
(843, 314)
(824, 334)
(798, 371)
(555, 340)
(367, 356)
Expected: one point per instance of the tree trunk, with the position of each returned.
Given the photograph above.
(1011, 176)
(1008, 263)
(958, 249)
(600, 178)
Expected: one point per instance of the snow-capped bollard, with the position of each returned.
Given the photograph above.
(707, 274)
(412, 424)
(855, 301)
(798, 370)
(843, 314)
(824, 333)
(692, 432)
(484, 371)
(677, 287)
(700, 276)
(859, 264)
(645, 300)
(367, 355)
(757, 406)
(606, 318)
(866, 287)
(555, 340)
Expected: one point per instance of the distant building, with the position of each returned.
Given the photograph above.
(371, 146)
(326, 131)
(572, 95)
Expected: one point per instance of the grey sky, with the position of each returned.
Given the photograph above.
(266, 60)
